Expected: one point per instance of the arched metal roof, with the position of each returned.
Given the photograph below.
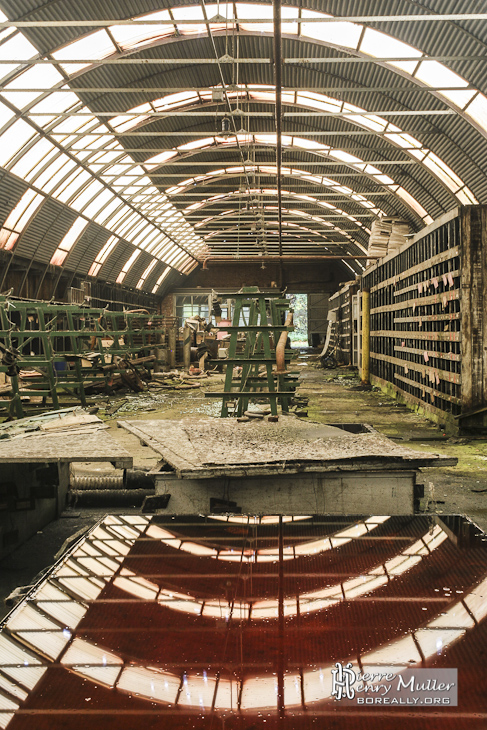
(111, 126)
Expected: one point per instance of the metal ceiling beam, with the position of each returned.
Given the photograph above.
(191, 164)
(173, 89)
(198, 112)
(230, 60)
(440, 17)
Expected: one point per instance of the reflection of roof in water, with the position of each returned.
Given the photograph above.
(110, 635)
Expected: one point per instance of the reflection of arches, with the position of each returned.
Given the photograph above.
(40, 635)
(265, 555)
(305, 603)
(204, 691)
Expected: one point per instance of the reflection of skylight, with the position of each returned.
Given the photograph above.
(305, 602)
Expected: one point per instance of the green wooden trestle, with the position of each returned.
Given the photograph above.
(258, 316)
(41, 335)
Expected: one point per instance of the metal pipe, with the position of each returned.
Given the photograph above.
(365, 336)
(281, 346)
(108, 497)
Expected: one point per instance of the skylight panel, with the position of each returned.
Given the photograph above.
(117, 217)
(58, 169)
(13, 139)
(466, 197)
(98, 203)
(75, 124)
(288, 13)
(5, 115)
(443, 172)
(108, 210)
(305, 144)
(133, 258)
(376, 124)
(337, 34)
(131, 232)
(129, 37)
(74, 183)
(381, 45)
(17, 48)
(103, 254)
(69, 240)
(412, 202)
(19, 218)
(197, 144)
(57, 102)
(191, 12)
(223, 9)
(32, 158)
(146, 273)
(88, 193)
(323, 103)
(345, 156)
(36, 77)
(95, 46)
(157, 160)
(144, 238)
(125, 226)
(172, 101)
(433, 73)
(124, 122)
(251, 10)
(459, 98)
(477, 111)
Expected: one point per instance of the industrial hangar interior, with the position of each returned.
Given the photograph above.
(243, 364)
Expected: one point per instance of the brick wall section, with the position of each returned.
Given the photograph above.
(308, 277)
(167, 306)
